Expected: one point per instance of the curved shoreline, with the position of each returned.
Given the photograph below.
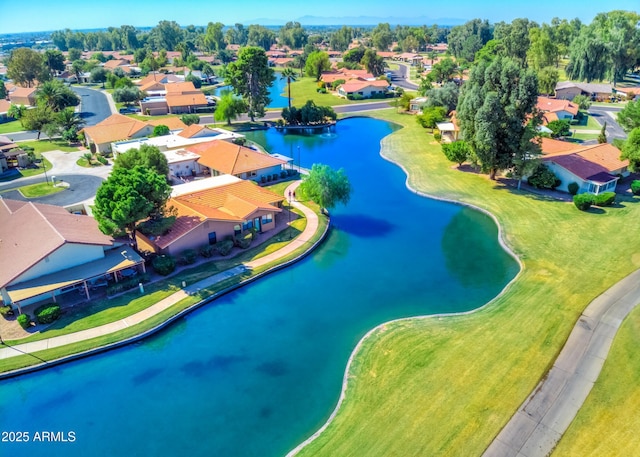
(356, 349)
(160, 326)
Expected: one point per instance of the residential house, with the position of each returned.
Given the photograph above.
(595, 168)
(416, 104)
(23, 96)
(179, 97)
(11, 155)
(212, 210)
(561, 109)
(449, 131)
(118, 127)
(4, 110)
(567, 90)
(364, 89)
(46, 251)
(123, 64)
(223, 157)
(632, 93)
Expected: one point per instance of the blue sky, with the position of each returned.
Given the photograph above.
(38, 15)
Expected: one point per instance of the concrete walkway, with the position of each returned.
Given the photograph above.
(541, 420)
(303, 239)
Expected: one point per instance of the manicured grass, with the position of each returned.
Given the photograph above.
(584, 136)
(587, 123)
(447, 386)
(608, 422)
(9, 127)
(304, 89)
(40, 189)
(142, 117)
(40, 146)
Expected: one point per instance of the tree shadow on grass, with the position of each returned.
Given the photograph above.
(511, 185)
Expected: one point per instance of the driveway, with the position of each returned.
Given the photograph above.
(608, 114)
(83, 182)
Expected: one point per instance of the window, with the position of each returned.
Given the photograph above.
(267, 218)
(237, 229)
(212, 238)
(247, 225)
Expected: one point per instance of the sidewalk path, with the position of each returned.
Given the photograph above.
(541, 420)
(303, 239)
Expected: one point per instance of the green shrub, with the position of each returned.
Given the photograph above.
(583, 201)
(244, 241)
(573, 188)
(157, 227)
(635, 187)
(207, 250)
(164, 264)
(543, 178)
(24, 320)
(605, 199)
(437, 136)
(224, 247)
(48, 313)
(126, 284)
(102, 160)
(188, 257)
(5, 310)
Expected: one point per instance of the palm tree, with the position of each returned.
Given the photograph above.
(290, 75)
(49, 93)
(68, 119)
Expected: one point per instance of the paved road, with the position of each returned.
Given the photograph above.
(401, 77)
(95, 106)
(545, 415)
(608, 114)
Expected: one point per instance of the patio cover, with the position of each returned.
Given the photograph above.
(114, 260)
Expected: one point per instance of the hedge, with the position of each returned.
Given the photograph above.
(583, 201)
(164, 264)
(635, 187)
(24, 320)
(605, 199)
(48, 313)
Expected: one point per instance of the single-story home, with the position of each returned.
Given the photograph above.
(365, 89)
(47, 251)
(178, 98)
(595, 168)
(567, 90)
(213, 209)
(23, 96)
(225, 158)
(629, 92)
(117, 127)
(416, 104)
(563, 109)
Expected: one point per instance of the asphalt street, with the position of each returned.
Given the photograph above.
(81, 188)
(608, 114)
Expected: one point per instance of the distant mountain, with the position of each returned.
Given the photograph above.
(360, 20)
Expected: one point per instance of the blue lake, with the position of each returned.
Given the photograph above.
(257, 371)
(276, 90)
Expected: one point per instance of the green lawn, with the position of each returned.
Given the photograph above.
(587, 123)
(40, 146)
(9, 127)
(608, 422)
(25, 173)
(447, 386)
(583, 136)
(40, 189)
(304, 89)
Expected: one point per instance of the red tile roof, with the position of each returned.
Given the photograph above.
(554, 105)
(594, 163)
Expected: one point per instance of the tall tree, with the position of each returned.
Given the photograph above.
(317, 62)
(25, 65)
(543, 51)
(128, 196)
(260, 36)
(167, 35)
(251, 78)
(292, 34)
(620, 32)
(290, 75)
(548, 77)
(631, 149)
(54, 61)
(445, 96)
(372, 62)
(629, 116)
(146, 156)
(56, 95)
(37, 119)
(214, 38)
(229, 107)
(341, 39)
(493, 111)
(326, 186)
(465, 40)
(515, 37)
(99, 75)
(382, 37)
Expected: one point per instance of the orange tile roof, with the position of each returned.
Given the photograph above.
(551, 147)
(356, 85)
(554, 105)
(606, 155)
(111, 64)
(232, 159)
(31, 231)
(181, 88)
(152, 85)
(4, 105)
(115, 127)
(197, 99)
(174, 123)
(594, 163)
(192, 130)
(234, 202)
